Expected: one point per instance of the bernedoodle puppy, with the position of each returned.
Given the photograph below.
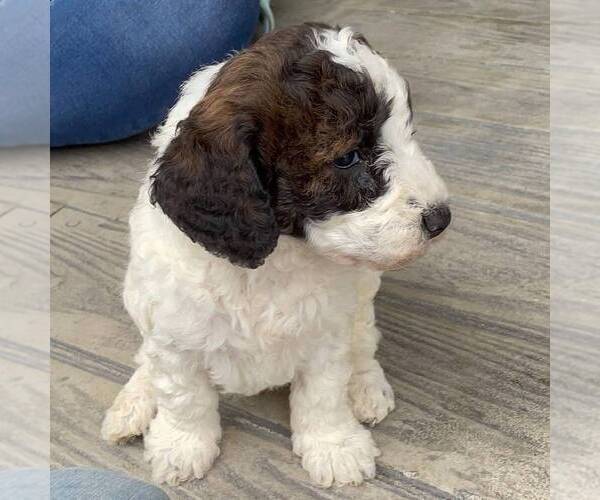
(286, 179)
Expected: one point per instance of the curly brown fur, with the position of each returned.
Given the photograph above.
(255, 156)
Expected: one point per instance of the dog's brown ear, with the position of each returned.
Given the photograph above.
(207, 184)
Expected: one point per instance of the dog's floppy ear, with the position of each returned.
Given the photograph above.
(207, 184)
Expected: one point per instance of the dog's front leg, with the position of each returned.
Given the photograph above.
(333, 445)
(371, 395)
(182, 441)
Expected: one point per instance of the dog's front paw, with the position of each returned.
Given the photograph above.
(371, 395)
(178, 455)
(339, 457)
(128, 417)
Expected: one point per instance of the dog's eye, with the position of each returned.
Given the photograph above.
(348, 160)
(413, 132)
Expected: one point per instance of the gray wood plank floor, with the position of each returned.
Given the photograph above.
(466, 340)
(24, 307)
(575, 243)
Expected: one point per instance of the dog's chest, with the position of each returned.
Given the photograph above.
(276, 326)
(262, 325)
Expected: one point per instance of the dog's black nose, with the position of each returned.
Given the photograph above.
(436, 219)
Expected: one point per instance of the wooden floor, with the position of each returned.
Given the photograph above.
(24, 307)
(575, 244)
(466, 329)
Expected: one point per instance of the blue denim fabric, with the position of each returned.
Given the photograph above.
(74, 484)
(24, 72)
(25, 484)
(116, 67)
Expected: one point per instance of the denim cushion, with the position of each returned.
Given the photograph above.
(74, 483)
(116, 67)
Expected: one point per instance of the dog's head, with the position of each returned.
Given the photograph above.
(307, 133)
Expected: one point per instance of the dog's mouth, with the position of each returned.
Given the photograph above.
(401, 261)
(394, 263)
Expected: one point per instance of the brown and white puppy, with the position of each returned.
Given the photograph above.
(286, 179)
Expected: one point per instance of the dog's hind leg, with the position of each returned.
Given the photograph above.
(370, 393)
(134, 407)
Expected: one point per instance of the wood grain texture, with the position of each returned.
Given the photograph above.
(575, 238)
(24, 307)
(465, 343)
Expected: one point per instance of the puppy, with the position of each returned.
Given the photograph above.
(286, 179)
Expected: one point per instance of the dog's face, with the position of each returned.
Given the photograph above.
(307, 133)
